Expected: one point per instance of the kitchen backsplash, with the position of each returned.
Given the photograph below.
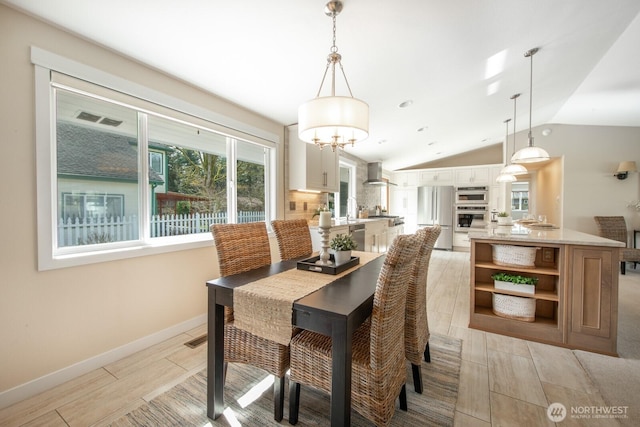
(299, 204)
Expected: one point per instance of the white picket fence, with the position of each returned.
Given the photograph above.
(84, 231)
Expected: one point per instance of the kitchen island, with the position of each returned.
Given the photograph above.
(576, 296)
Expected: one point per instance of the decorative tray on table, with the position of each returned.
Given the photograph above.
(309, 264)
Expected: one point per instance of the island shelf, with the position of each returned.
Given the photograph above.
(575, 296)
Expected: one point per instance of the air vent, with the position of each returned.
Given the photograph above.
(196, 341)
(88, 117)
(110, 122)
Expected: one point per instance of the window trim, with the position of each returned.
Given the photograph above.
(46, 63)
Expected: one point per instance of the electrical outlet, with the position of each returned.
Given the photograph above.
(547, 255)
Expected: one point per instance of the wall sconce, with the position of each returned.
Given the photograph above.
(624, 168)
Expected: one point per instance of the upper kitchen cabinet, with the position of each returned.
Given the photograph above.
(406, 179)
(311, 168)
(472, 176)
(436, 177)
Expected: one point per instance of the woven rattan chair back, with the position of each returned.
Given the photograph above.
(378, 371)
(615, 228)
(416, 327)
(294, 238)
(612, 227)
(389, 303)
(241, 247)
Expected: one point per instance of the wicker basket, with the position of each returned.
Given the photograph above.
(511, 307)
(514, 256)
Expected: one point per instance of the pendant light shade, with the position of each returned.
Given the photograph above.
(505, 177)
(333, 121)
(514, 168)
(333, 118)
(530, 154)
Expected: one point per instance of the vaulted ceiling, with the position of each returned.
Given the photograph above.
(458, 61)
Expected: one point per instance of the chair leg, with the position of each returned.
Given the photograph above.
(427, 353)
(403, 397)
(294, 402)
(278, 398)
(417, 378)
(224, 373)
(623, 266)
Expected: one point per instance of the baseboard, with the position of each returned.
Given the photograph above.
(38, 385)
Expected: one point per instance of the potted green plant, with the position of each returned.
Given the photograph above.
(504, 218)
(515, 282)
(342, 245)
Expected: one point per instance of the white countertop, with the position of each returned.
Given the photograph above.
(344, 223)
(519, 233)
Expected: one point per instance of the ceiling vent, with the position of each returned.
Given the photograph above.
(83, 115)
(110, 122)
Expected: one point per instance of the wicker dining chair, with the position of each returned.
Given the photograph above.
(416, 326)
(615, 228)
(243, 247)
(378, 361)
(294, 238)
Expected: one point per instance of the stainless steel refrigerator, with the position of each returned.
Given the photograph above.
(435, 206)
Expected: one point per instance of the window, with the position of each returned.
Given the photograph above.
(102, 200)
(347, 197)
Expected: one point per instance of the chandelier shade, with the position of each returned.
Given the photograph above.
(339, 119)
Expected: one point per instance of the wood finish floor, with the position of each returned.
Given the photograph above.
(503, 381)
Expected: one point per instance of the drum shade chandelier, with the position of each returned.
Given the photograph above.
(334, 121)
(530, 154)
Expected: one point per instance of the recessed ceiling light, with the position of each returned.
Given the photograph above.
(423, 128)
(405, 104)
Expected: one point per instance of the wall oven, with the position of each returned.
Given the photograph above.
(472, 195)
(471, 216)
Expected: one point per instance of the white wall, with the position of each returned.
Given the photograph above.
(56, 319)
(591, 156)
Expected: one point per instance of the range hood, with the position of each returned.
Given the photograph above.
(374, 175)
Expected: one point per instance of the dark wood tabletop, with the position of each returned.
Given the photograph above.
(336, 310)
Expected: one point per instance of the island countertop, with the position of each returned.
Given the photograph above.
(518, 233)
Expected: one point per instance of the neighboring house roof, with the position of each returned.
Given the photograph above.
(91, 153)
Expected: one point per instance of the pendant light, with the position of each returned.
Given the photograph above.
(505, 176)
(530, 154)
(333, 121)
(514, 168)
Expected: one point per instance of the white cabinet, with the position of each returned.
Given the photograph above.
(375, 236)
(311, 168)
(475, 176)
(404, 202)
(436, 177)
(405, 179)
(392, 233)
(461, 241)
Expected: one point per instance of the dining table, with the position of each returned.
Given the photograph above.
(336, 310)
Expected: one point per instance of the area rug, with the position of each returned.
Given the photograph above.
(185, 403)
